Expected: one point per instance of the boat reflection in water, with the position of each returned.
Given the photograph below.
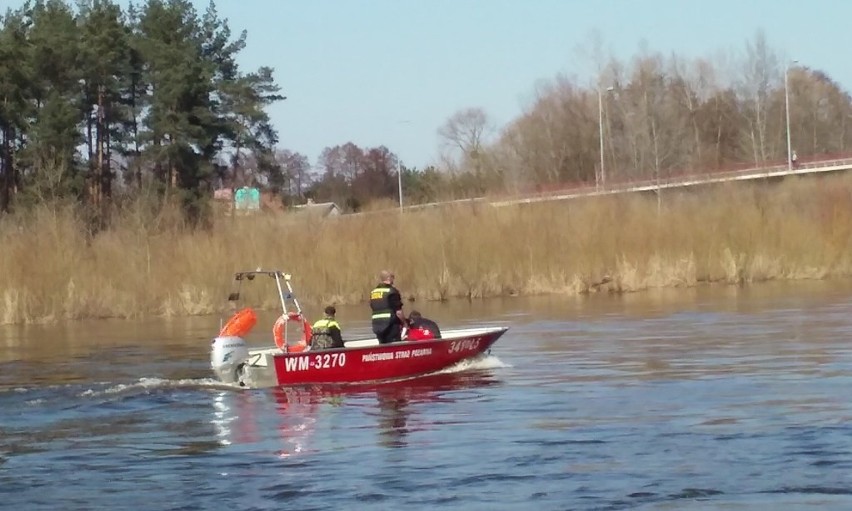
(394, 417)
(245, 419)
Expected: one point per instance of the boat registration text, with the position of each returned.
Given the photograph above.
(318, 361)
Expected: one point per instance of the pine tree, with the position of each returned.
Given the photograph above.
(180, 115)
(53, 57)
(104, 63)
(156, 88)
(134, 99)
(14, 101)
(249, 126)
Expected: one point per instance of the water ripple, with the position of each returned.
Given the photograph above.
(719, 400)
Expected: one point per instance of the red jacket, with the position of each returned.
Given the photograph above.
(420, 334)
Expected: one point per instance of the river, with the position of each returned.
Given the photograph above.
(709, 398)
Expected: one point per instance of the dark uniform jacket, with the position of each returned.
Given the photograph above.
(385, 300)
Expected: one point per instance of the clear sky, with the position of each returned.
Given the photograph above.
(392, 71)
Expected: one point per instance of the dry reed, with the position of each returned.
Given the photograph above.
(149, 263)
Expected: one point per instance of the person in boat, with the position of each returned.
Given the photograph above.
(326, 334)
(420, 328)
(386, 304)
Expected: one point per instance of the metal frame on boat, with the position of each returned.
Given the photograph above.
(360, 361)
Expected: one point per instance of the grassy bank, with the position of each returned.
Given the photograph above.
(148, 263)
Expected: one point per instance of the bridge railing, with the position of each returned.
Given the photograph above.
(688, 176)
(773, 170)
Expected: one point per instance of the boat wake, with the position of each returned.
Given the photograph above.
(476, 364)
(145, 385)
(113, 390)
(71, 396)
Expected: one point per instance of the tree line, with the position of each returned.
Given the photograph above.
(94, 99)
(354, 177)
(660, 116)
(98, 104)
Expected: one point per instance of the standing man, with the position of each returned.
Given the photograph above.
(386, 303)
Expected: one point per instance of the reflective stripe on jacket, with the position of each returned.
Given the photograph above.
(379, 302)
(322, 338)
(325, 325)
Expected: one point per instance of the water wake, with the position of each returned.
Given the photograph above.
(476, 364)
(108, 388)
(145, 385)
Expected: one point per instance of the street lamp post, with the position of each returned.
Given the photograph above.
(787, 112)
(601, 179)
(399, 170)
(399, 181)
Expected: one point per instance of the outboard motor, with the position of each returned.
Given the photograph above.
(228, 357)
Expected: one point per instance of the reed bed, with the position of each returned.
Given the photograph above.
(149, 263)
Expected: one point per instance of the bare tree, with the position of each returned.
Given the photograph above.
(663, 116)
(760, 72)
(464, 134)
(295, 169)
(820, 112)
(547, 143)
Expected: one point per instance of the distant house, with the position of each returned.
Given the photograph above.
(247, 199)
(223, 200)
(223, 194)
(319, 210)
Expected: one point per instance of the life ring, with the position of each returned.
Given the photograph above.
(281, 339)
(240, 324)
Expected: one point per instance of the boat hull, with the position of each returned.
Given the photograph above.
(366, 361)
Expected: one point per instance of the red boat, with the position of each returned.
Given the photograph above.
(360, 361)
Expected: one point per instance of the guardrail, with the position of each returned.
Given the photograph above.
(809, 167)
(759, 173)
(739, 173)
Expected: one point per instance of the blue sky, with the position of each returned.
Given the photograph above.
(392, 71)
(352, 70)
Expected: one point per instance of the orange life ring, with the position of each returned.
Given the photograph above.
(240, 323)
(281, 339)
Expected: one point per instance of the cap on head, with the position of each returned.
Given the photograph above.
(330, 310)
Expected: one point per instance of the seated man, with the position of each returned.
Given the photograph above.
(326, 332)
(421, 328)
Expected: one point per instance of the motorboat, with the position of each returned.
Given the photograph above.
(364, 360)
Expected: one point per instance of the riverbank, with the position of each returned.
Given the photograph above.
(149, 264)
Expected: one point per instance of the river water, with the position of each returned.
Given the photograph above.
(711, 398)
